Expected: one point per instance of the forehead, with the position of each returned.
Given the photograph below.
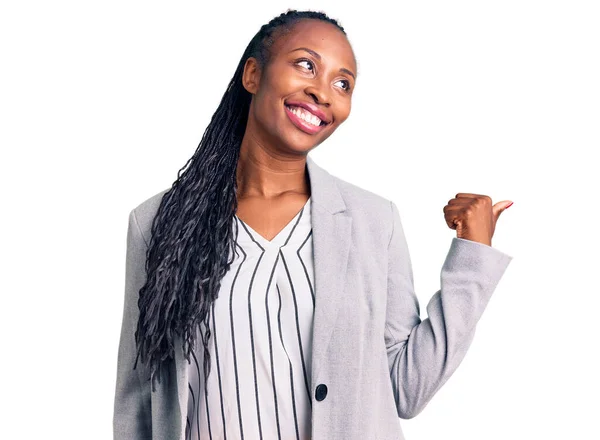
(322, 37)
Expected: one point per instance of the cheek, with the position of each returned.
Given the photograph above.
(263, 107)
(269, 99)
(343, 112)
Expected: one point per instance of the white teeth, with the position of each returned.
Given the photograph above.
(305, 115)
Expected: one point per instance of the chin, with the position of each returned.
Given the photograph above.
(300, 145)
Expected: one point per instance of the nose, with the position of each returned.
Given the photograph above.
(318, 93)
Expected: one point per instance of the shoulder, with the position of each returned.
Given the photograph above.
(357, 197)
(366, 207)
(144, 212)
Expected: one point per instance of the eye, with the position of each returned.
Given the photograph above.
(304, 60)
(312, 69)
(347, 84)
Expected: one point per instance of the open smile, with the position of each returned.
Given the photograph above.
(304, 119)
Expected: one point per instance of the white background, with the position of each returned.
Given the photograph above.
(102, 102)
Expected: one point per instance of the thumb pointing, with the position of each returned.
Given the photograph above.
(499, 207)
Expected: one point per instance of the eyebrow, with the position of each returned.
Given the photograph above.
(316, 55)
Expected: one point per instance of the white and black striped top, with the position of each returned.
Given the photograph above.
(260, 343)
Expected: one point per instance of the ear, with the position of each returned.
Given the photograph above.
(251, 75)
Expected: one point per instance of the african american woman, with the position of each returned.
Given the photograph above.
(266, 298)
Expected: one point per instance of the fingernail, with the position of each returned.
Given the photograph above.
(509, 205)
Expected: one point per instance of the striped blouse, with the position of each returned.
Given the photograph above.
(260, 343)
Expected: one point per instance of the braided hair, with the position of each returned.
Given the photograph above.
(191, 233)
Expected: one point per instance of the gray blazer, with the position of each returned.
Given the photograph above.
(374, 360)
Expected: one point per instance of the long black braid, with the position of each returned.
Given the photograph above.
(191, 233)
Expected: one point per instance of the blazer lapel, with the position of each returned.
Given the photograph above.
(331, 245)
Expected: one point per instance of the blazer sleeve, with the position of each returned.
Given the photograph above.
(132, 411)
(422, 355)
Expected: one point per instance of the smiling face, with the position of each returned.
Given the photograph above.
(305, 91)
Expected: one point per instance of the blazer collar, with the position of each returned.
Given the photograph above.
(331, 230)
(324, 190)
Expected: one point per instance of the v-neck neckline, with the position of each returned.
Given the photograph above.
(282, 235)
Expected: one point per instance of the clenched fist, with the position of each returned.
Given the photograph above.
(473, 216)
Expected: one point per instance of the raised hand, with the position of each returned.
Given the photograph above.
(473, 216)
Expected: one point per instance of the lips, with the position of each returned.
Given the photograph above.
(303, 125)
(312, 108)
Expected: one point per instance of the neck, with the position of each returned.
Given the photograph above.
(264, 173)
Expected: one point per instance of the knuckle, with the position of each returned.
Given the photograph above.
(482, 201)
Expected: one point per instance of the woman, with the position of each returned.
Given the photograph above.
(292, 286)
